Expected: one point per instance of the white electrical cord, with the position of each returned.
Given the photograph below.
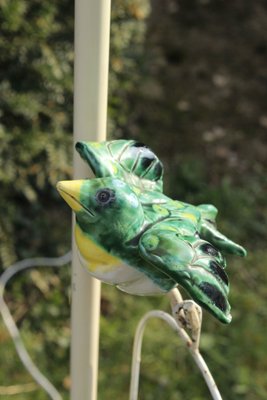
(11, 325)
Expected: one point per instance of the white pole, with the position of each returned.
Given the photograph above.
(92, 29)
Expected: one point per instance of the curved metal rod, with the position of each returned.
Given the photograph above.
(136, 358)
(11, 325)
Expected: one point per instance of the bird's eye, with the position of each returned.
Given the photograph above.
(105, 196)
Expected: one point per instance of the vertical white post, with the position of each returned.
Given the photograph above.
(92, 30)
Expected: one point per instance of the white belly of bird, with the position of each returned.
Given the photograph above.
(125, 277)
(110, 269)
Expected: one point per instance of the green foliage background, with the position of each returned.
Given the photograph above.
(189, 79)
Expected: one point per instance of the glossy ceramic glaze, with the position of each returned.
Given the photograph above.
(130, 234)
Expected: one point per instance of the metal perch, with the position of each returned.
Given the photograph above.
(185, 315)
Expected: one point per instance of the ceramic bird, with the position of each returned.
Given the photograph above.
(128, 160)
(138, 165)
(146, 243)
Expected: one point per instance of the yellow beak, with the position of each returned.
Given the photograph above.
(70, 191)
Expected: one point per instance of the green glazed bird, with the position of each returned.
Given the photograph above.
(136, 164)
(128, 160)
(142, 241)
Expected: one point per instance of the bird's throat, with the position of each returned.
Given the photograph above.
(93, 253)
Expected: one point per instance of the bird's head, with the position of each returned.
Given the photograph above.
(104, 205)
(125, 159)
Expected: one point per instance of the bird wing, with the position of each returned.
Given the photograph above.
(191, 262)
(208, 231)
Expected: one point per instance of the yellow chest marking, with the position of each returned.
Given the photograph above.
(91, 252)
(190, 216)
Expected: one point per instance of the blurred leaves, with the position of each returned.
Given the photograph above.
(36, 116)
(189, 79)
